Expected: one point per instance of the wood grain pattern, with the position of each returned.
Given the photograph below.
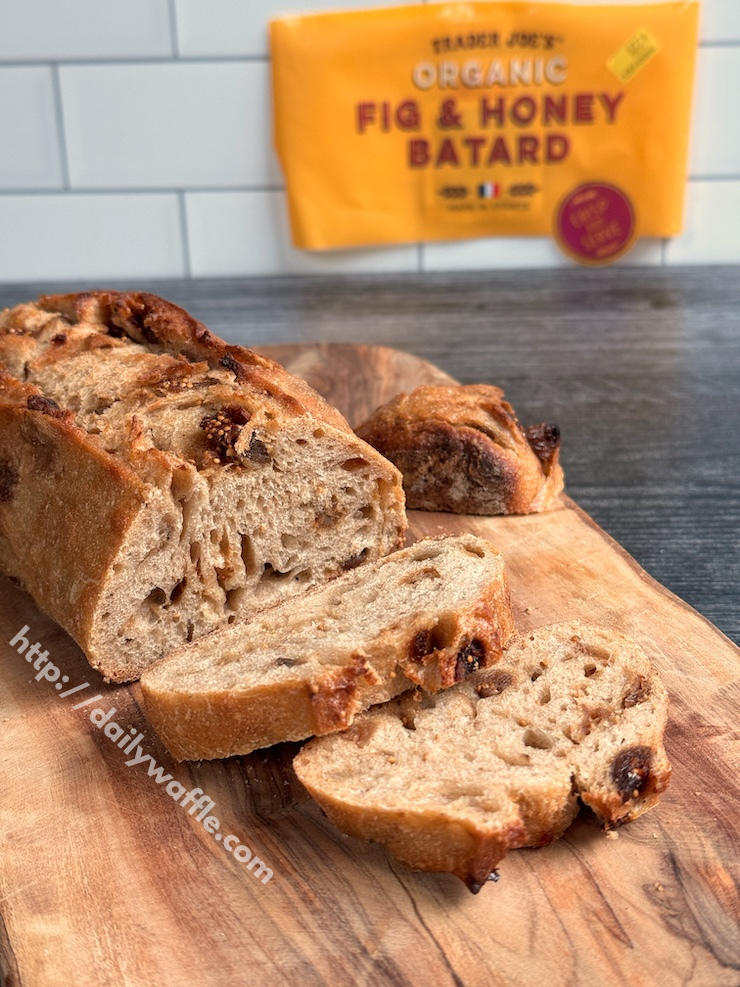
(105, 880)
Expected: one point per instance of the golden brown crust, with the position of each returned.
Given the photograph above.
(46, 461)
(461, 449)
(163, 326)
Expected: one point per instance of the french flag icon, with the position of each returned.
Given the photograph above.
(488, 190)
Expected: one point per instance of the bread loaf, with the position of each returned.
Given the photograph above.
(462, 450)
(428, 615)
(452, 782)
(156, 483)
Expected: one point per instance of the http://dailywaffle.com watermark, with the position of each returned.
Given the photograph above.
(195, 800)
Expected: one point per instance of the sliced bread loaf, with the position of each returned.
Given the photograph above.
(451, 782)
(427, 615)
(462, 450)
(156, 482)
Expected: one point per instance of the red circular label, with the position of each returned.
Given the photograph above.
(595, 223)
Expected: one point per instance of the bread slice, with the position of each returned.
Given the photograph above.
(462, 450)
(428, 615)
(451, 782)
(156, 483)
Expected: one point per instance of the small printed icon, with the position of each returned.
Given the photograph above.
(453, 192)
(489, 190)
(524, 190)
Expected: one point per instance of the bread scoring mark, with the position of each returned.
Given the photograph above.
(8, 481)
(631, 772)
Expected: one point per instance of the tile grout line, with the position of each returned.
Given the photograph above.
(174, 34)
(61, 128)
(142, 190)
(114, 60)
(184, 233)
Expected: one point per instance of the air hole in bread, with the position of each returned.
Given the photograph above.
(544, 696)
(428, 553)
(290, 542)
(247, 553)
(537, 739)
(589, 669)
(301, 442)
(319, 433)
(157, 597)
(365, 512)
(181, 484)
(178, 589)
(354, 464)
(596, 651)
(271, 573)
(195, 551)
(191, 632)
(235, 598)
(474, 550)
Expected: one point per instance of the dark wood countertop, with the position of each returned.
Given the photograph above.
(639, 367)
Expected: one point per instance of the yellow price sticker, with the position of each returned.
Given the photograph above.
(633, 55)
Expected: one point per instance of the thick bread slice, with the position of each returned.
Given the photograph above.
(462, 450)
(429, 614)
(156, 483)
(451, 782)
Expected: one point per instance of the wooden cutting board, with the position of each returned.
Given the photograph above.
(105, 880)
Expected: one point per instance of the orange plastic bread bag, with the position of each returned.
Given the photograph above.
(457, 120)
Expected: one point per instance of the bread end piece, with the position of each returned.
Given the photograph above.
(461, 450)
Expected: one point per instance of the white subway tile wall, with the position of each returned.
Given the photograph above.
(77, 235)
(137, 144)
